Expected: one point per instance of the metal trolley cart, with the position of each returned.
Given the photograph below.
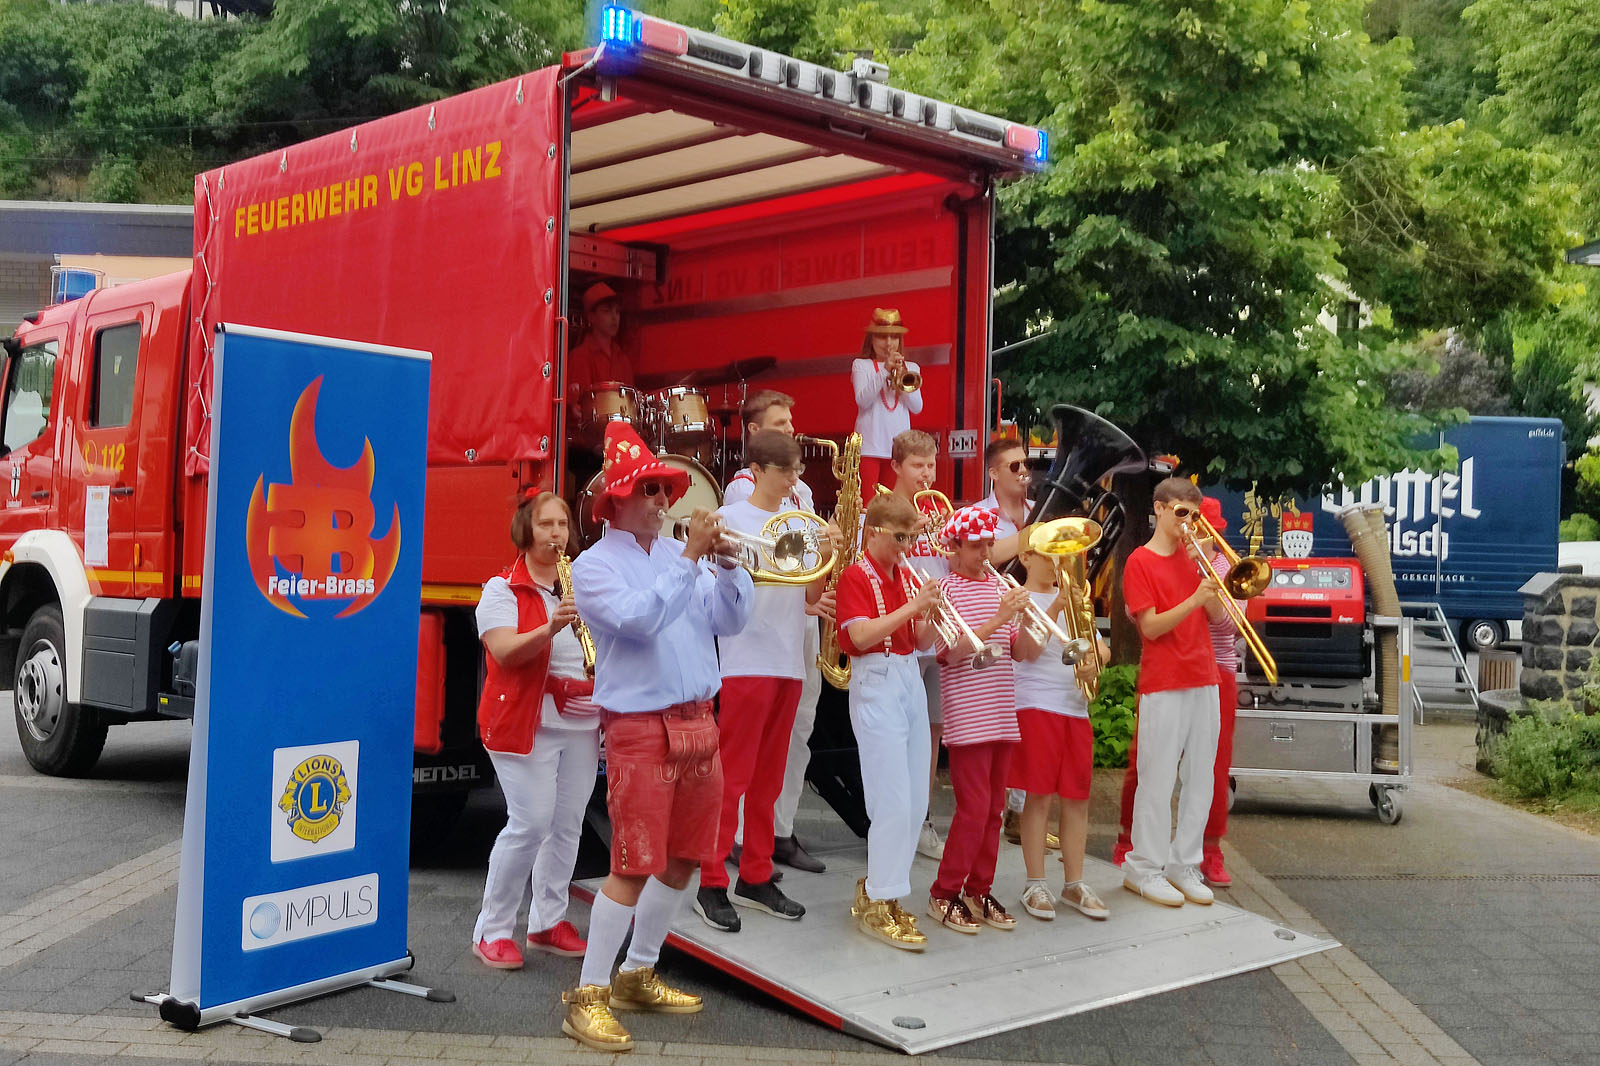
(1321, 721)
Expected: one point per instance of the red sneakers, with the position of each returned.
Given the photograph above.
(1120, 852)
(501, 954)
(560, 939)
(1213, 871)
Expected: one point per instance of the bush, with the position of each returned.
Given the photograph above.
(1552, 754)
(1112, 715)
(1580, 526)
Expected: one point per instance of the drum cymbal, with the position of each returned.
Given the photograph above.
(738, 370)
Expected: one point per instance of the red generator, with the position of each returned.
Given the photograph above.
(1312, 618)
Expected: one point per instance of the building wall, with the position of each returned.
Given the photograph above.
(24, 288)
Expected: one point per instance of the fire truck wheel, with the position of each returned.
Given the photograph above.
(58, 738)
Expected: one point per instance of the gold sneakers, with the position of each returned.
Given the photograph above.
(589, 1019)
(878, 920)
(987, 910)
(953, 915)
(861, 900)
(642, 990)
(907, 924)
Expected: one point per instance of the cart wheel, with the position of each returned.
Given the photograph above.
(1388, 806)
(1233, 791)
(1372, 796)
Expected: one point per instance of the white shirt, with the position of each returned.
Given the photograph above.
(497, 609)
(652, 618)
(772, 644)
(1005, 528)
(744, 483)
(1048, 683)
(881, 414)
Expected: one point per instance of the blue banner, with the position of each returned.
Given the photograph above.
(296, 833)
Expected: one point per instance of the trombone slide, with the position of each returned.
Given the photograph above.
(1252, 639)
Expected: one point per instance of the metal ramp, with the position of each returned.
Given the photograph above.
(966, 987)
(1441, 680)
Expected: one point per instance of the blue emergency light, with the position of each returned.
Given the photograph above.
(617, 25)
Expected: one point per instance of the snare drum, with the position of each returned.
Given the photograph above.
(600, 404)
(703, 493)
(684, 416)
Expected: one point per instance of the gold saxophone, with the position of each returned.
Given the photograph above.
(579, 630)
(831, 660)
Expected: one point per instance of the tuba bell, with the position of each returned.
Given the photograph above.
(1089, 450)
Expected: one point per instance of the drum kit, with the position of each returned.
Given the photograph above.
(686, 429)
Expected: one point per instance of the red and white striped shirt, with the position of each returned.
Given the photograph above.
(1224, 634)
(980, 706)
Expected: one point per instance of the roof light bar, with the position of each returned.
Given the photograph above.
(865, 86)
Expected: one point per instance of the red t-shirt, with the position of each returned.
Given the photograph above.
(858, 600)
(1182, 657)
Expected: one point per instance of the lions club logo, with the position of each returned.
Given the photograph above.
(315, 797)
(311, 539)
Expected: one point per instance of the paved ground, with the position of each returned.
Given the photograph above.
(1468, 930)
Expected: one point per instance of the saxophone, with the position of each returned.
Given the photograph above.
(579, 630)
(835, 665)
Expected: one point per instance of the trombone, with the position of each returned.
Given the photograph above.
(951, 628)
(788, 551)
(1246, 577)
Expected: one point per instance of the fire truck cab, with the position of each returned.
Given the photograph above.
(743, 203)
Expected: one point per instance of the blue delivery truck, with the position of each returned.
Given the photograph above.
(1466, 540)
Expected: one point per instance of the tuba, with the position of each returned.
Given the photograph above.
(1067, 542)
(1089, 450)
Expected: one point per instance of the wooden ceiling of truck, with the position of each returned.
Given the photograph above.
(646, 166)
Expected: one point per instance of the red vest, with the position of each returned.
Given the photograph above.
(513, 697)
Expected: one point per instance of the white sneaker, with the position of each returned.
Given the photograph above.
(1037, 901)
(929, 844)
(1155, 888)
(1188, 881)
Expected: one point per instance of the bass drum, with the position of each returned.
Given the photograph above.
(704, 493)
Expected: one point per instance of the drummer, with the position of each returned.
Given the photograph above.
(601, 356)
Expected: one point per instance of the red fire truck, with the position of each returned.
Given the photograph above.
(744, 203)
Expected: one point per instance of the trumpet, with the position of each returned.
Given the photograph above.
(789, 550)
(579, 630)
(951, 627)
(902, 378)
(1067, 541)
(1041, 625)
(1249, 576)
(936, 506)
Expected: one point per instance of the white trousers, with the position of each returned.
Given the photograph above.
(889, 712)
(1179, 725)
(794, 771)
(546, 792)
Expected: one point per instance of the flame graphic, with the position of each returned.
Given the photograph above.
(318, 527)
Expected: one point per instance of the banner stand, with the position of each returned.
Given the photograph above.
(189, 1017)
(299, 787)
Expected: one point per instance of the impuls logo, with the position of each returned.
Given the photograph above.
(318, 527)
(316, 910)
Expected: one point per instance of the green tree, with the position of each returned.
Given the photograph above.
(1446, 81)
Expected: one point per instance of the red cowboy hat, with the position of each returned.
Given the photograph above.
(628, 460)
(886, 320)
(1211, 508)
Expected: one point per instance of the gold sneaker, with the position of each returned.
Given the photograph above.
(589, 1019)
(641, 989)
(907, 924)
(987, 910)
(1052, 842)
(860, 905)
(878, 921)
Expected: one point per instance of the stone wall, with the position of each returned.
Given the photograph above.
(1559, 632)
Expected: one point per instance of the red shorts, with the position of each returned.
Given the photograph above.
(1056, 756)
(663, 789)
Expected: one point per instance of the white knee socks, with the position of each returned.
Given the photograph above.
(608, 928)
(659, 906)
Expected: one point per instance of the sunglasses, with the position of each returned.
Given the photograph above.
(653, 488)
(1016, 466)
(1184, 512)
(899, 537)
